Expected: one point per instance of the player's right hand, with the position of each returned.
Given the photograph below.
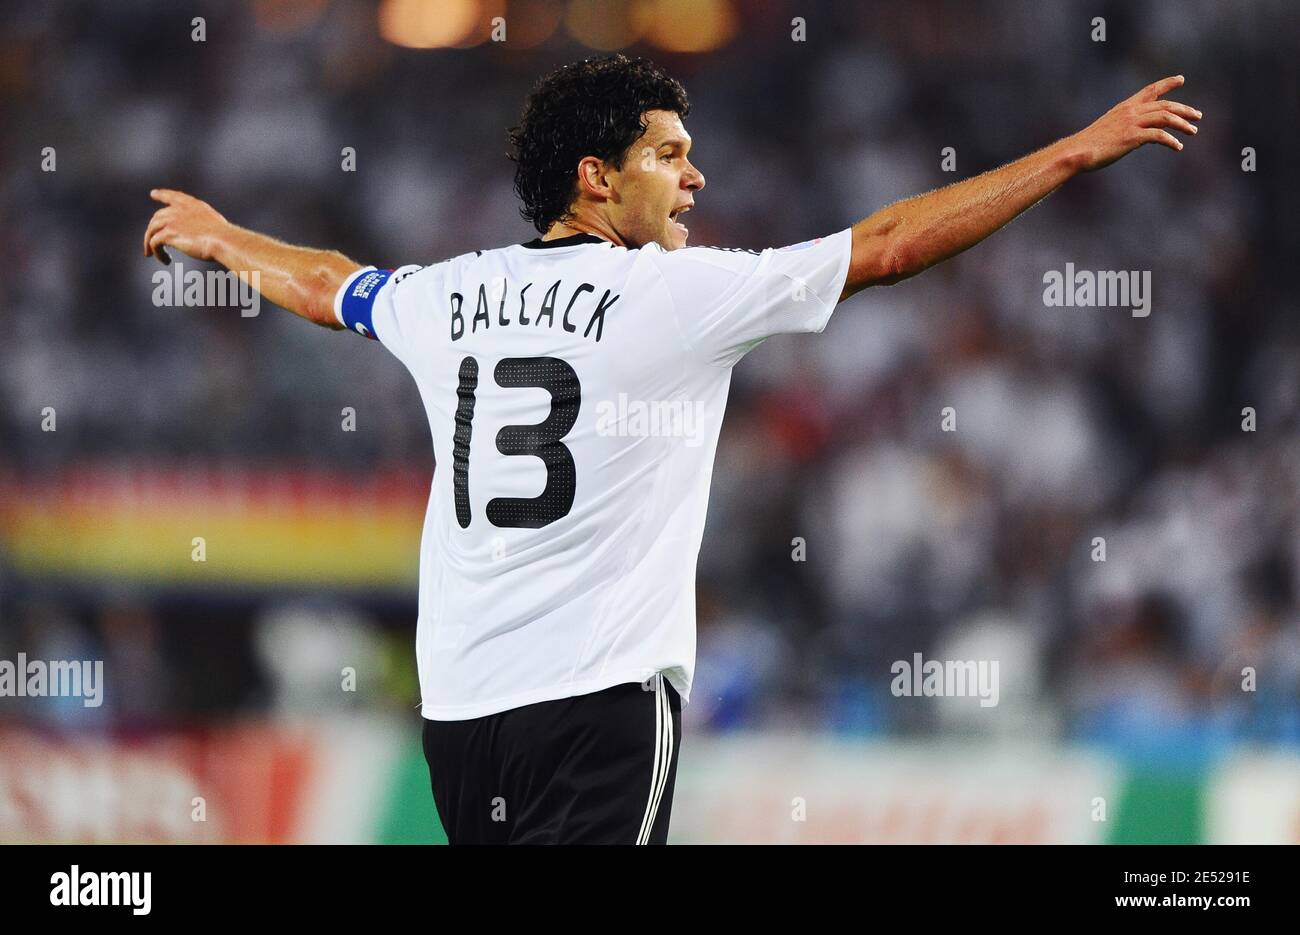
(1143, 118)
(186, 223)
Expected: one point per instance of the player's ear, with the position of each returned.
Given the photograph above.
(593, 177)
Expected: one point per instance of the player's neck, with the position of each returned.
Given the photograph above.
(576, 226)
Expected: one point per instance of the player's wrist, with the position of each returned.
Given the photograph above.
(225, 241)
(1073, 154)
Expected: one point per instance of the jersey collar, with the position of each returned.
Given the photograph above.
(572, 240)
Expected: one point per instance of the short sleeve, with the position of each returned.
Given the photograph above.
(727, 302)
(374, 302)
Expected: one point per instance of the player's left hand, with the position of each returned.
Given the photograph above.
(1143, 118)
(186, 223)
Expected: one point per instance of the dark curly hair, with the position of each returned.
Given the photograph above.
(588, 108)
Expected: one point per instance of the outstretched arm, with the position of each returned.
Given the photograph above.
(910, 236)
(300, 279)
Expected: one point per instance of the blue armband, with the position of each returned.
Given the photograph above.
(358, 303)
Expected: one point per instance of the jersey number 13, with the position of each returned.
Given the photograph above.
(541, 440)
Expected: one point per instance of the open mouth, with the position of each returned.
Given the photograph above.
(676, 213)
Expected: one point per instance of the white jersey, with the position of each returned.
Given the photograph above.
(575, 391)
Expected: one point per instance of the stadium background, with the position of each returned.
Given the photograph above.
(1122, 715)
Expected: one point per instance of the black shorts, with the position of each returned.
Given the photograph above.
(591, 769)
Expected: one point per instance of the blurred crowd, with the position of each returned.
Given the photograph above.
(1105, 516)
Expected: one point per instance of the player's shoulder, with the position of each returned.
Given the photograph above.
(457, 260)
(701, 252)
(417, 272)
(702, 260)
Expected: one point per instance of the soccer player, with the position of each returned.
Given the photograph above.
(575, 387)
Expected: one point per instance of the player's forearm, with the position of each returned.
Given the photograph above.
(300, 279)
(905, 238)
(910, 236)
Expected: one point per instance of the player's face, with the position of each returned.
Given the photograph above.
(657, 182)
